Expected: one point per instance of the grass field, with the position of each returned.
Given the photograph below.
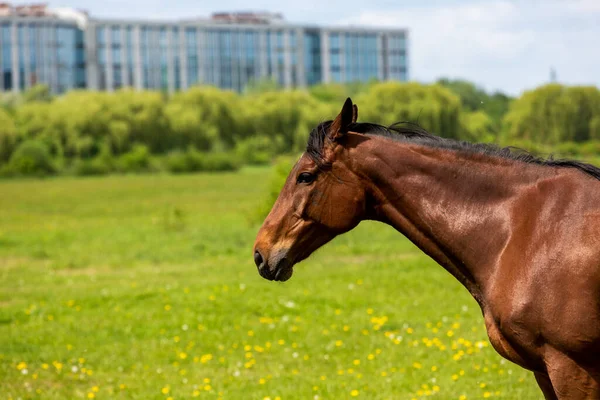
(143, 287)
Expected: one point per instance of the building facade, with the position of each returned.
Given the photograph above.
(66, 50)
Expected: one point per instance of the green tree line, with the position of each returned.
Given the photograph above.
(205, 128)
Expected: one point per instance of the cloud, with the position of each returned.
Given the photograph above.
(501, 44)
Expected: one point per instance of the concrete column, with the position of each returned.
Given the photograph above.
(91, 56)
(138, 81)
(325, 57)
(216, 63)
(201, 43)
(274, 57)
(27, 57)
(238, 69)
(262, 54)
(300, 62)
(155, 56)
(124, 55)
(109, 61)
(287, 59)
(170, 60)
(48, 48)
(1, 64)
(43, 64)
(342, 57)
(14, 41)
(387, 67)
(406, 59)
(39, 55)
(380, 71)
(183, 60)
(53, 59)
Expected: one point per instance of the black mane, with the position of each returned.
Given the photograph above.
(414, 134)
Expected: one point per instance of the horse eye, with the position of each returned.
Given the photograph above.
(305, 177)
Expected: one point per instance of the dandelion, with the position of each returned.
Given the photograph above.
(167, 307)
(339, 343)
(482, 385)
(417, 365)
(354, 393)
(433, 368)
(487, 394)
(208, 388)
(206, 358)
(95, 389)
(462, 397)
(370, 357)
(165, 390)
(182, 355)
(262, 381)
(356, 362)
(91, 395)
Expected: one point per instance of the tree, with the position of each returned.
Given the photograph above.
(554, 113)
(433, 107)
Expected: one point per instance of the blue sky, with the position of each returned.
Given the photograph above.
(508, 45)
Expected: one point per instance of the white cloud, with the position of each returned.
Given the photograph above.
(500, 44)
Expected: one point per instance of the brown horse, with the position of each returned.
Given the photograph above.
(522, 234)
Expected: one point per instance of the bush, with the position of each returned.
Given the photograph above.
(8, 137)
(179, 162)
(94, 166)
(136, 160)
(258, 149)
(220, 162)
(31, 158)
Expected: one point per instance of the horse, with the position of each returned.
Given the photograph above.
(521, 233)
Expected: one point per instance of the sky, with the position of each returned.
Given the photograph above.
(506, 45)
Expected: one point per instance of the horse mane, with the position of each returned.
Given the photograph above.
(413, 133)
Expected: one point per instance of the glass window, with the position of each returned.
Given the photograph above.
(115, 36)
(101, 36)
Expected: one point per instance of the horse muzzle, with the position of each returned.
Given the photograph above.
(279, 269)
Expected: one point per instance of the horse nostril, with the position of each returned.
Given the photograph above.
(258, 259)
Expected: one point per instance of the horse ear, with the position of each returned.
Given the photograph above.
(339, 126)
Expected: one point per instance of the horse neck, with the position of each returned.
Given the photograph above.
(455, 207)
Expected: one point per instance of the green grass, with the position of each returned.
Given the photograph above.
(143, 287)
